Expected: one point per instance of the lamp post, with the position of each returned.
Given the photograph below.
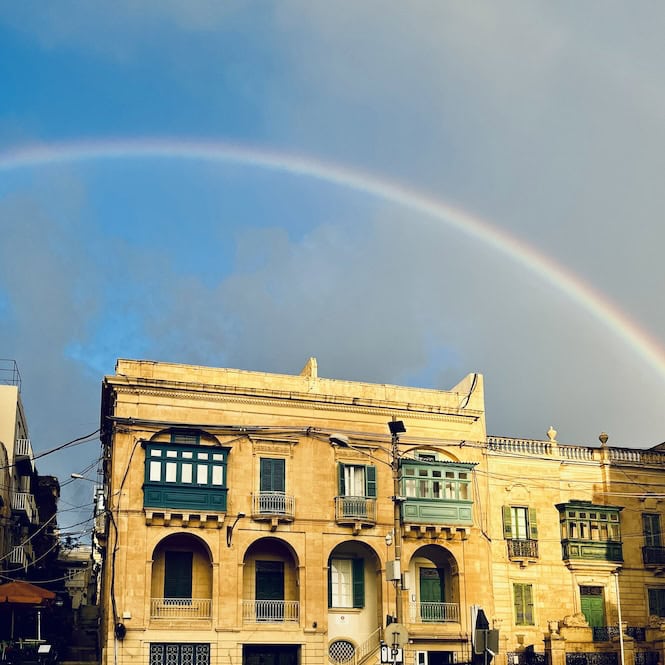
(616, 586)
(396, 428)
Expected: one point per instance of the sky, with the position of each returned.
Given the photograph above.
(409, 192)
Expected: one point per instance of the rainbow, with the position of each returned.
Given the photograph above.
(581, 293)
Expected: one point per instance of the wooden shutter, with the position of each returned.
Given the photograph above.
(340, 480)
(358, 567)
(177, 574)
(272, 475)
(533, 524)
(370, 481)
(507, 522)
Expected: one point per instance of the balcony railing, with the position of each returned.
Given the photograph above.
(180, 608)
(355, 509)
(434, 612)
(23, 452)
(273, 504)
(18, 557)
(523, 549)
(270, 611)
(24, 502)
(653, 555)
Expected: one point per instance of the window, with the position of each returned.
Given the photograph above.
(651, 529)
(186, 437)
(272, 474)
(196, 466)
(346, 583)
(177, 574)
(591, 523)
(438, 481)
(357, 480)
(523, 602)
(657, 602)
(162, 653)
(519, 523)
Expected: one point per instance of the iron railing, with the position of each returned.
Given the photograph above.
(653, 555)
(434, 612)
(270, 611)
(523, 549)
(180, 608)
(273, 503)
(355, 508)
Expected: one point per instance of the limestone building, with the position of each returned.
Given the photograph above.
(264, 519)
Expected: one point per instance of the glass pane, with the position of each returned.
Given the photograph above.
(217, 475)
(171, 470)
(218, 457)
(155, 453)
(172, 453)
(186, 473)
(155, 471)
(463, 489)
(187, 454)
(202, 474)
(202, 455)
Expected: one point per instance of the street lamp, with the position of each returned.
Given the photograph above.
(396, 428)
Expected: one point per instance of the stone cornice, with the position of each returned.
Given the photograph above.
(302, 400)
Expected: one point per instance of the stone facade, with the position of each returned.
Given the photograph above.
(274, 519)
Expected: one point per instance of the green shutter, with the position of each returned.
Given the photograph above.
(533, 525)
(507, 522)
(177, 574)
(358, 582)
(272, 475)
(370, 481)
(528, 604)
(341, 484)
(330, 583)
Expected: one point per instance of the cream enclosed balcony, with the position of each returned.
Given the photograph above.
(23, 454)
(274, 507)
(24, 502)
(180, 608)
(270, 611)
(426, 612)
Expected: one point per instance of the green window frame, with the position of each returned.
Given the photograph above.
(519, 523)
(439, 481)
(651, 529)
(346, 583)
(185, 465)
(346, 471)
(656, 598)
(272, 474)
(589, 522)
(523, 604)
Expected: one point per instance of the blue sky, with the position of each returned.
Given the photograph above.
(543, 119)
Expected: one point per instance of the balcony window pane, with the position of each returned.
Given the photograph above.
(172, 453)
(186, 473)
(218, 457)
(201, 474)
(155, 453)
(155, 471)
(463, 491)
(187, 454)
(217, 475)
(171, 471)
(202, 456)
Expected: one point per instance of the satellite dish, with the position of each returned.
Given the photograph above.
(395, 634)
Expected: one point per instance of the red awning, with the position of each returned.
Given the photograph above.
(24, 593)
